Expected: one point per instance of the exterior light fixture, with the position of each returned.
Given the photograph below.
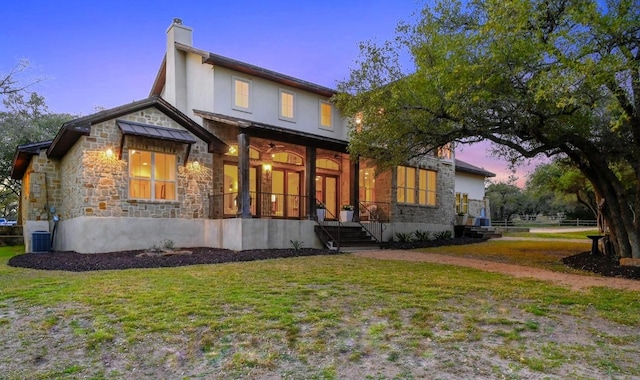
(109, 153)
(267, 171)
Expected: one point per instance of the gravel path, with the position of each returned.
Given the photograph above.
(574, 281)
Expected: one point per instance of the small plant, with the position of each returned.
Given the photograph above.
(442, 235)
(347, 207)
(422, 235)
(404, 237)
(296, 244)
(320, 205)
(168, 244)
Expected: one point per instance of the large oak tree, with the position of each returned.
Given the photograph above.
(552, 77)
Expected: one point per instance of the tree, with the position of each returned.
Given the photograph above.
(24, 119)
(11, 83)
(566, 184)
(506, 200)
(551, 77)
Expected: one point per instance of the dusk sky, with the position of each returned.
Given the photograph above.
(106, 54)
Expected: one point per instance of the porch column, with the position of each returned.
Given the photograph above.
(354, 189)
(310, 181)
(244, 197)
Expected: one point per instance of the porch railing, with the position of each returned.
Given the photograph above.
(262, 205)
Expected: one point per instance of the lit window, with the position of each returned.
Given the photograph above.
(325, 163)
(325, 114)
(152, 175)
(425, 189)
(287, 105)
(445, 152)
(286, 158)
(462, 203)
(241, 93)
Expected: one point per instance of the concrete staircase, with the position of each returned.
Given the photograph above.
(481, 232)
(350, 236)
(11, 235)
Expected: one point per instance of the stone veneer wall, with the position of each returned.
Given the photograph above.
(443, 213)
(96, 185)
(41, 188)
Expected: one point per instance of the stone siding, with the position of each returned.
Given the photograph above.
(441, 214)
(87, 182)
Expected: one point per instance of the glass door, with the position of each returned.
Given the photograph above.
(327, 193)
(285, 193)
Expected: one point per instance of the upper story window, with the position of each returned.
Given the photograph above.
(417, 186)
(445, 152)
(152, 175)
(287, 105)
(326, 114)
(241, 94)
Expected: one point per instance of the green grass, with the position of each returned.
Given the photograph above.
(554, 235)
(308, 318)
(540, 254)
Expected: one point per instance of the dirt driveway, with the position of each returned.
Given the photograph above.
(574, 281)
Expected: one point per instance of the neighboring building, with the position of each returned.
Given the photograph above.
(470, 190)
(222, 154)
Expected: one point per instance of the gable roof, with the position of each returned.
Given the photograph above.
(465, 167)
(72, 130)
(243, 67)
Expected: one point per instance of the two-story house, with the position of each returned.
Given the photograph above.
(222, 154)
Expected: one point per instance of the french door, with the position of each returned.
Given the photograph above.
(327, 193)
(285, 193)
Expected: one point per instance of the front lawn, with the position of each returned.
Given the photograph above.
(324, 317)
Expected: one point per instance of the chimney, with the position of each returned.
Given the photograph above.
(176, 65)
(179, 33)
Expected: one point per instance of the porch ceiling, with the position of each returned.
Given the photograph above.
(271, 132)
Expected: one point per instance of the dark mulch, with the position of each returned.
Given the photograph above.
(80, 262)
(601, 264)
(432, 243)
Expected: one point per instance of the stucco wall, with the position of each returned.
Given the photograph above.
(470, 184)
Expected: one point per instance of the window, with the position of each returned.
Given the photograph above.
(326, 114)
(462, 203)
(408, 189)
(426, 187)
(152, 175)
(287, 105)
(286, 158)
(325, 163)
(445, 152)
(241, 94)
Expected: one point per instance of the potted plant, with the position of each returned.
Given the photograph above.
(321, 211)
(346, 214)
(461, 219)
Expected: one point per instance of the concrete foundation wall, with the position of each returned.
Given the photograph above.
(88, 234)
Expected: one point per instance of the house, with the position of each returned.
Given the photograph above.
(470, 190)
(222, 154)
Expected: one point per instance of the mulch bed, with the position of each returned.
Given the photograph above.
(80, 262)
(601, 264)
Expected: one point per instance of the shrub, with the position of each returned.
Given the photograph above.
(296, 244)
(422, 235)
(442, 235)
(404, 237)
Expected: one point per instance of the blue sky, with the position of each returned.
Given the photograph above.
(105, 54)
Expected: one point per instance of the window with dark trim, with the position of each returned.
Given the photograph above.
(152, 175)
